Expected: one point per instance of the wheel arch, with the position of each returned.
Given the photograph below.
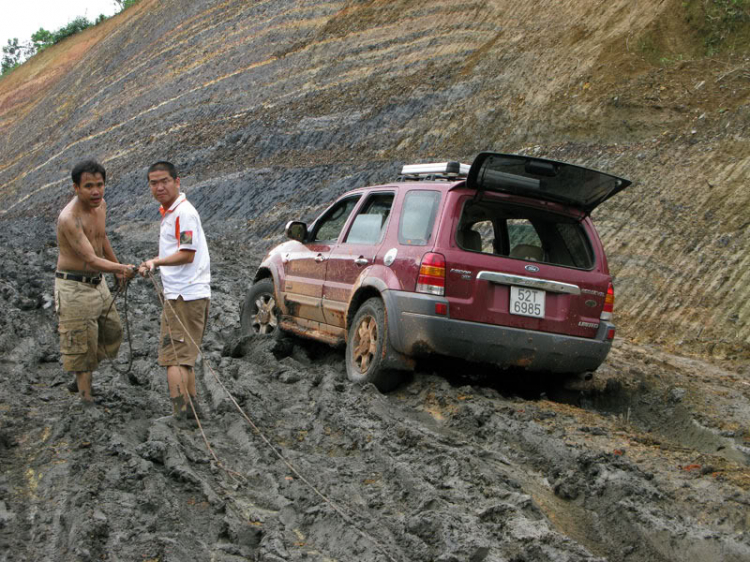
(360, 296)
(264, 273)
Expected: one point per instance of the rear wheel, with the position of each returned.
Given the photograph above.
(259, 313)
(368, 349)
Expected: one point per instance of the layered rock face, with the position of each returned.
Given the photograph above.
(271, 109)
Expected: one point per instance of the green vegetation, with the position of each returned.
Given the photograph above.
(702, 28)
(723, 25)
(15, 52)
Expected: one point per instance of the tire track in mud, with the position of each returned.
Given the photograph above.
(367, 438)
(397, 428)
(424, 468)
(441, 469)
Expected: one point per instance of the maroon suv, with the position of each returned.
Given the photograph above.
(495, 262)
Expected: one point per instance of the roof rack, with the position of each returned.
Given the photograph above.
(437, 170)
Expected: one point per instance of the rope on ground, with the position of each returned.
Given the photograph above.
(347, 518)
(165, 302)
(122, 287)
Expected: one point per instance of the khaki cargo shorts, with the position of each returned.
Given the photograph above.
(86, 335)
(182, 348)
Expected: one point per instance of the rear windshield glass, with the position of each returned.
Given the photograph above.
(418, 217)
(524, 233)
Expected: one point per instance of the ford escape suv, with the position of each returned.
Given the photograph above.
(495, 262)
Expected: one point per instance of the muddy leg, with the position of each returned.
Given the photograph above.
(177, 378)
(191, 382)
(83, 379)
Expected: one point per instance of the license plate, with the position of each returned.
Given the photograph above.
(527, 302)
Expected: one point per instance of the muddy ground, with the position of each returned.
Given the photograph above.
(648, 461)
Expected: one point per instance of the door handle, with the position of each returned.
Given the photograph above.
(319, 258)
(361, 261)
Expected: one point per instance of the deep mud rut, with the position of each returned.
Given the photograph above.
(648, 461)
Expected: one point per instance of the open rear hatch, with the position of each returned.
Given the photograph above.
(568, 184)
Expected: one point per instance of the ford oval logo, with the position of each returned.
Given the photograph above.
(531, 268)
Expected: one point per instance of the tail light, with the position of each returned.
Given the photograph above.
(431, 278)
(609, 303)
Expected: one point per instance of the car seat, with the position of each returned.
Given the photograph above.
(470, 240)
(527, 252)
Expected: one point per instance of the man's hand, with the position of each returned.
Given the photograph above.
(126, 273)
(147, 267)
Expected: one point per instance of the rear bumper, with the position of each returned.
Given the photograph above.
(415, 330)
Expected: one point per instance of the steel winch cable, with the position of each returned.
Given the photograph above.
(346, 517)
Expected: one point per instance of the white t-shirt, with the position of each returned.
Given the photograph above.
(181, 229)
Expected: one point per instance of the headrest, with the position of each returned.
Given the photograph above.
(470, 240)
(527, 252)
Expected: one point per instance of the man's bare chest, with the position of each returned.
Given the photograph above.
(93, 229)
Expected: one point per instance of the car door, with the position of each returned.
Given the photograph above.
(305, 266)
(357, 252)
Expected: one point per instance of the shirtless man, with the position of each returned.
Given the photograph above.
(82, 298)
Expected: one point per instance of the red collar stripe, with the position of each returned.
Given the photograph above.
(164, 211)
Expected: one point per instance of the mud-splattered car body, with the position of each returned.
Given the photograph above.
(498, 262)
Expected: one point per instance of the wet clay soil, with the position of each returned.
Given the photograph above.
(647, 461)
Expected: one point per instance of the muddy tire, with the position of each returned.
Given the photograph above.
(259, 313)
(368, 349)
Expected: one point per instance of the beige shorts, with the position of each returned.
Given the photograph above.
(86, 335)
(181, 336)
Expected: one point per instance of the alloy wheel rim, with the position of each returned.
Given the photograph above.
(264, 318)
(366, 343)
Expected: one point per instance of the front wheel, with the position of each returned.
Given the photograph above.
(368, 348)
(259, 313)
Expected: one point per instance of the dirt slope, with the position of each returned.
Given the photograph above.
(252, 98)
(271, 109)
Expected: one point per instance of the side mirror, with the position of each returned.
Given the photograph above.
(296, 230)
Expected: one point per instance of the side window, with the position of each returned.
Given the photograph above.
(524, 241)
(329, 226)
(574, 247)
(370, 223)
(418, 217)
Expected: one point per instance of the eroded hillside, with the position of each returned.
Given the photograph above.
(272, 108)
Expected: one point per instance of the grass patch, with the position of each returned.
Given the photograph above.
(700, 28)
(723, 25)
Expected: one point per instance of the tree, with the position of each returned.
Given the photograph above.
(75, 26)
(125, 4)
(14, 53)
(42, 39)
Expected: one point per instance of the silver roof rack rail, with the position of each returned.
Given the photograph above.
(448, 170)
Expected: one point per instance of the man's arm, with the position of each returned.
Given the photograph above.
(180, 257)
(109, 254)
(107, 250)
(72, 228)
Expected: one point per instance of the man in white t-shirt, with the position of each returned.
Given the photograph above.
(185, 268)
